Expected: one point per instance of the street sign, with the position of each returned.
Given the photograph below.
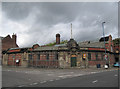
(105, 56)
(84, 55)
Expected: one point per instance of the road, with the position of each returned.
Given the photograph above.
(59, 78)
(104, 79)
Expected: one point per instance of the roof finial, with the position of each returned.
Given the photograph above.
(71, 30)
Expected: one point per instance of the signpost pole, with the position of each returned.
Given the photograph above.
(106, 66)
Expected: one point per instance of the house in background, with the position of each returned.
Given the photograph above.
(9, 42)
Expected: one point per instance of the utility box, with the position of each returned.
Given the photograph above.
(98, 66)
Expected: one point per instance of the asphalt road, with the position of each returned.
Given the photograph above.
(59, 78)
(104, 79)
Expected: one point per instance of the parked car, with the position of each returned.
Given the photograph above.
(117, 64)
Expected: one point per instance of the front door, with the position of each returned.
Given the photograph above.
(73, 61)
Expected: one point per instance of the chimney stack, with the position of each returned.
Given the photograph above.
(58, 38)
(14, 38)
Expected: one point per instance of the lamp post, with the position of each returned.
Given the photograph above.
(104, 44)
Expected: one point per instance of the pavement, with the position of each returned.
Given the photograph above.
(28, 77)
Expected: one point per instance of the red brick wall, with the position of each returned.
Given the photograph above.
(43, 61)
(93, 63)
(93, 57)
(100, 49)
(8, 42)
(99, 56)
(42, 57)
(110, 44)
(13, 57)
(112, 59)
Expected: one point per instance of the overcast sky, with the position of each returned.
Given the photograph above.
(39, 22)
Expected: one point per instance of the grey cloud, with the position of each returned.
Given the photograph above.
(87, 15)
(16, 10)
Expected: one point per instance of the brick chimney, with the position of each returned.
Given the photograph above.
(110, 43)
(14, 38)
(57, 38)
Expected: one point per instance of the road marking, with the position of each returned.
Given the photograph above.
(21, 86)
(35, 83)
(51, 80)
(93, 72)
(61, 73)
(43, 81)
(115, 75)
(65, 76)
(60, 76)
(95, 81)
(68, 75)
(50, 74)
(78, 75)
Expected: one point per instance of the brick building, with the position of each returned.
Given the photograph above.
(9, 42)
(116, 43)
(70, 54)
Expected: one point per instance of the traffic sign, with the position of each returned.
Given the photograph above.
(84, 55)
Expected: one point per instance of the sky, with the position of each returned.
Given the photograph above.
(39, 22)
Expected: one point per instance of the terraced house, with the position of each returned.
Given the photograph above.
(66, 55)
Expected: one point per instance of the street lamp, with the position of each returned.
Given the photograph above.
(104, 43)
